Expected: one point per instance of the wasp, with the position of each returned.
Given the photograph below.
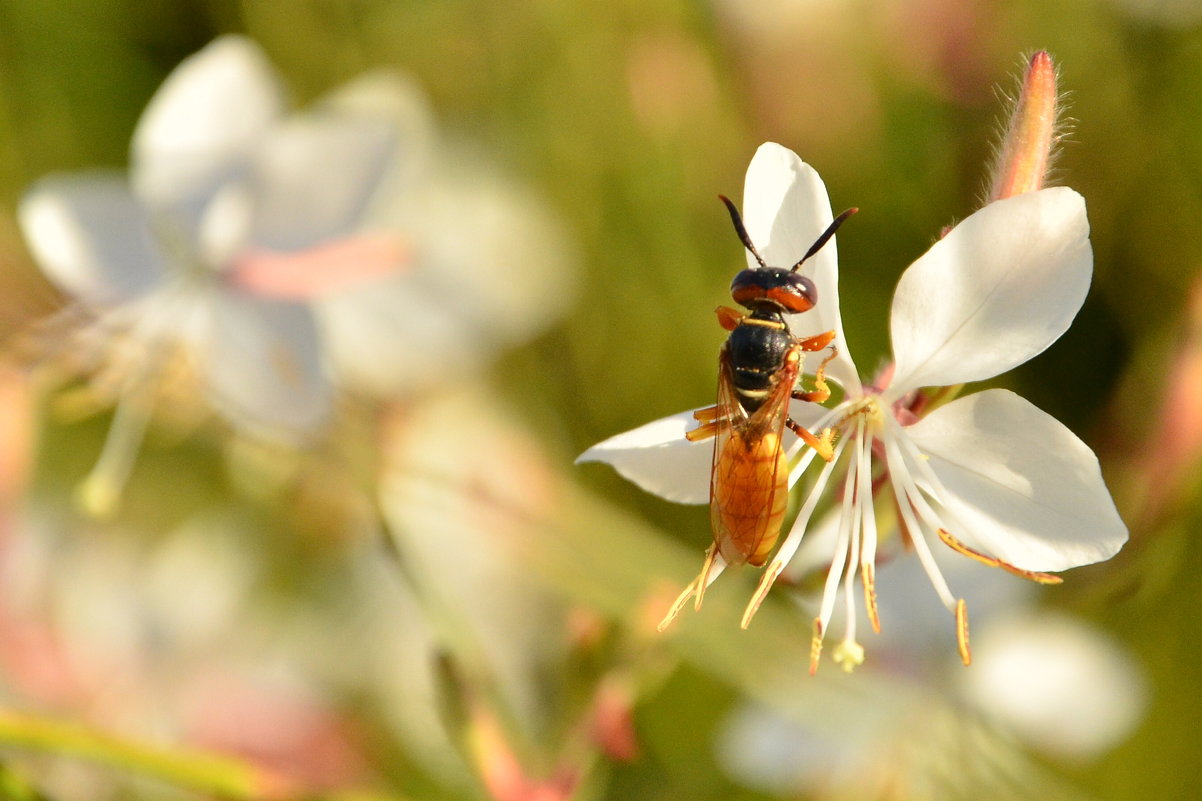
(758, 371)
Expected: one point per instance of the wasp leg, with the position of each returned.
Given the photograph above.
(730, 318)
(824, 445)
(817, 342)
(710, 570)
(709, 419)
(821, 390)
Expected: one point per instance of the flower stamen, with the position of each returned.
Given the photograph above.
(962, 632)
(864, 494)
(908, 501)
(993, 561)
(100, 492)
(848, 655)
(816, 646)
(868, 577)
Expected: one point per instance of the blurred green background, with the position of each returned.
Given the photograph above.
(629, 118)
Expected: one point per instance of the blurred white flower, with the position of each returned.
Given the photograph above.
(1063, 688)
(460, 527)
(274, 256)
(989, 475)
(176, 638)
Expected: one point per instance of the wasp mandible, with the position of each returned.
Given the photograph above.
(758, 371)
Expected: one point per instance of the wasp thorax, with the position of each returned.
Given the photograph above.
(772, 287)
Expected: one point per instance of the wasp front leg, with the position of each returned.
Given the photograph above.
(730, 318)
(817, 342)
(824, 444)
(822, 390)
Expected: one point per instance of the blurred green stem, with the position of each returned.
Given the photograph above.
(220, 776)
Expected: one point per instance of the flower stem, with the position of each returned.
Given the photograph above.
(216, 775)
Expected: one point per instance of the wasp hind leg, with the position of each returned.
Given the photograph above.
(709, 417)
(823, 445)
(710, 570)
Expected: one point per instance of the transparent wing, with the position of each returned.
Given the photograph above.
(749, 480)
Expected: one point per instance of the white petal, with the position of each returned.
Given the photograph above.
(344, 165)
(1000, 288)
(761, 747)
(393, 336)
(263, 365)
(223, 228)
(315, 176)
(659, 459)
(203, 121)
(399, 101)
(490, 243)
(91, 237)
(1066, 689)
(785, 209)
(1024, 487)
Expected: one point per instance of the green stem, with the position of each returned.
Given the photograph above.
(221, 776)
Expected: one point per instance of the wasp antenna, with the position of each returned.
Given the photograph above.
(826, 235)
(741, 230)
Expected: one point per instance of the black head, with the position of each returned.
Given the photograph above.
(775, 287)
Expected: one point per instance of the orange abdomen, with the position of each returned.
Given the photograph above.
(749, 498)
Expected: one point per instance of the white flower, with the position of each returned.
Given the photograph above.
(988, 474)
(274, 256)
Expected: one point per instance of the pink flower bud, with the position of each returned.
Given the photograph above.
(1030, 134)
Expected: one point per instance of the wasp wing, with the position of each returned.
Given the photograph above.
(749, 478)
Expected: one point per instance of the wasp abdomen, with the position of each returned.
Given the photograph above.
(751, 497)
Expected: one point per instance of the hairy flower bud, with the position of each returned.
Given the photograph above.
(1030, 134)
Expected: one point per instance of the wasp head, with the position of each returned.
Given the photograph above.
(773, 288)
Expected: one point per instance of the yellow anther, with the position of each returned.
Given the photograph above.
(962, 632)
(868, 574)
(816, 646)
(848, 655)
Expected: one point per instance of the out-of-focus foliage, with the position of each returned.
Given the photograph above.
(432, 602)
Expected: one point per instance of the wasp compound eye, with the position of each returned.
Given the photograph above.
(774, 287)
